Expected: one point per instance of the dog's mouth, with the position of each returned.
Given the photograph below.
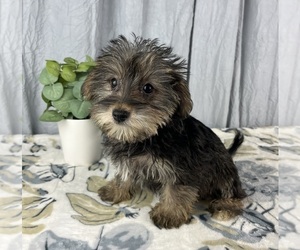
(128, 126)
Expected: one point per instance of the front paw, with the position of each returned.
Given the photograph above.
(106, 193)
(169, 217)
(113, 193)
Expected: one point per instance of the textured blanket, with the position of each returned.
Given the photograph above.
(49, 204)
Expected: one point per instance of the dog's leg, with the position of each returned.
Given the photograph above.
(225, 209)
(116, 191)
(175, 206)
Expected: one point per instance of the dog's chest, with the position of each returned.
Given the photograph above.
(145, 169)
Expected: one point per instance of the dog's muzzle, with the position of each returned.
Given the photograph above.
(120, 115)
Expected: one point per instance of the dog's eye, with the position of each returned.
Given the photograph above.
(148, 88)
(114, 83)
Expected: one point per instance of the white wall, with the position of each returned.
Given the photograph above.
(232, 47)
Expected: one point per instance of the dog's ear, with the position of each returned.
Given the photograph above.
(86, 87)
(185, 101)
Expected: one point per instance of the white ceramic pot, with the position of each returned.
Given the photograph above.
(81, 142)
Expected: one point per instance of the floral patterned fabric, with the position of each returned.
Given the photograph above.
(48, 204)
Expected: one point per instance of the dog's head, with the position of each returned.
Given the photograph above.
(136, 88)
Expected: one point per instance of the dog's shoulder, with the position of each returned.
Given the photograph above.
(201, 136)
(196, 128)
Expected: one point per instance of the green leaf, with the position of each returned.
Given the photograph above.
(54, 91)
(62, 80)
(70, 61)
(91, 64)
(64, 103)
(80, 109)
(68, 73)
(68, 94)
(82, 67)
(46, 100)
(85, 66)
(89, 59)
(66, 114)
(53, 67)
(77, 90)
(82, 77)
(70, 84)
(46, 78)
(51, 116)
(69, 116)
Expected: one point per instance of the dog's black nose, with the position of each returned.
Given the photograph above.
(120, 115)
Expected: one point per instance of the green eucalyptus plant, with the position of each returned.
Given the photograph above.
(62, 89)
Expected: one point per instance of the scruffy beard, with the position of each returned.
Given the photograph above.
(137, 127)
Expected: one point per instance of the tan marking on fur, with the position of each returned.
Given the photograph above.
(116, 191)
(86, 88)
(147, 61)
(160, 170)
(186, 103)
(175, 206)
(122, 170)
(144, 168)
(225, 209)
(136, 128)
(113, 64)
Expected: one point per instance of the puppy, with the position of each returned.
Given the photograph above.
(141, 102)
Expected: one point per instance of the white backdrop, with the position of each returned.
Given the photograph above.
(243, 55)
(10, 67)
